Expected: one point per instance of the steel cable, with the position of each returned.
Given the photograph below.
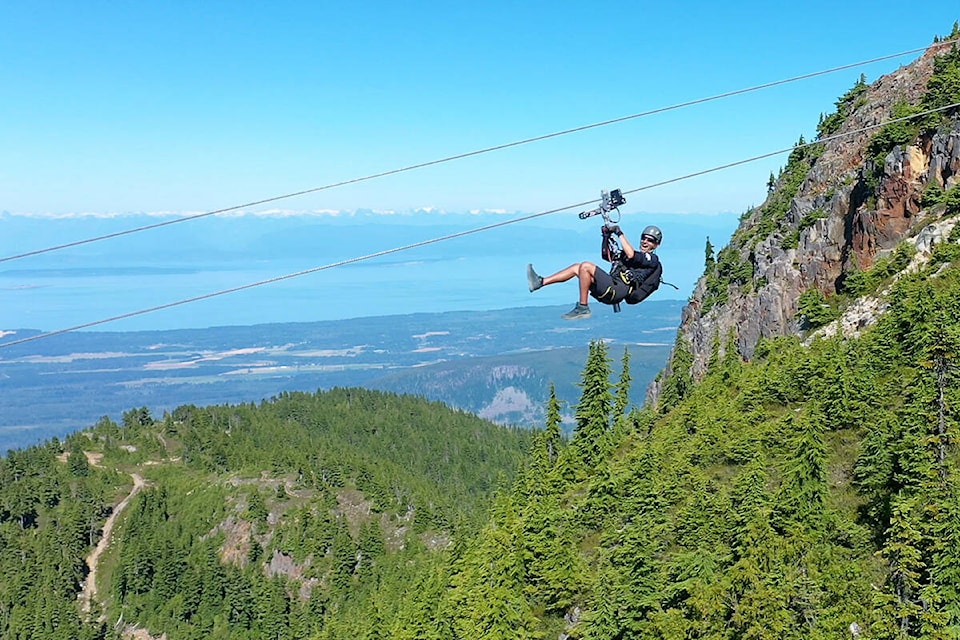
(461, 234)
(469, 154)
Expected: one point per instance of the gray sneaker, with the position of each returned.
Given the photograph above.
(533, 280)
(579, 312)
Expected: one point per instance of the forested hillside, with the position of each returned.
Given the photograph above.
(799, 495)
(255, 521)
(809, 492)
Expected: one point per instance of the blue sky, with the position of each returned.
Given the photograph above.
(193, 106)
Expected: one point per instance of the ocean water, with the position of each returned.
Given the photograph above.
(59, 298)
(174, 277)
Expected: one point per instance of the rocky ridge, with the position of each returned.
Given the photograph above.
(832, 212)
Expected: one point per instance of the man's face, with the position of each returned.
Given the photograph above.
(647, 243)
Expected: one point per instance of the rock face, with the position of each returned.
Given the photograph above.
(845, 213)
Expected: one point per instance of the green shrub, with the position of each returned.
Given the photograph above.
(944, 252)
(952, 199)
(808, 220)
(932, 195)
(894, 133)
(847, 104)
(954, 234)
(942, 89)
(863, 282)
(814, 310)
(791, 240)
(728, 270)
(775, 209)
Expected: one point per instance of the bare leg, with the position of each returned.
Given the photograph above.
(563, 275)
(582, 270)
(587, 269)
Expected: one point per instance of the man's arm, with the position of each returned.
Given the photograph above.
(628, 249)
(645, 259)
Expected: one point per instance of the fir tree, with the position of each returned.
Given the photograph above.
(805, 483)
(545, 450)
(622, 399)
(679, 381)
(593, 411)
(899, 603)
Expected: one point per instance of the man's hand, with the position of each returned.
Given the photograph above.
(615, 229)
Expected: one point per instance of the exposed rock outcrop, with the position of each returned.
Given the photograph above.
(839, 217)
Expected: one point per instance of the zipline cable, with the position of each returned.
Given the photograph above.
(460, 234)
(469, 154)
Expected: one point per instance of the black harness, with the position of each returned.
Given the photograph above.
(641, 282)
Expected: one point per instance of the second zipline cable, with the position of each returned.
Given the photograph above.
(469, 154)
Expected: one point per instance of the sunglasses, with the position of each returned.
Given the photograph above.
(649, 239)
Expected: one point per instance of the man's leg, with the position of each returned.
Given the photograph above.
(582, 270)
(563, 275)
(586, 273)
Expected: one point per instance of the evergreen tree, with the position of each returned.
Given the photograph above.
(79, 466)
(750, 494)
(945, 556)
(552, 565)
(344, 558)
(899, 603)
(593, 411)
(545, 451)
(419, 617)
(621, 401)
(622, 398)
(604, 620)
(273, 609)
(553, 438)
(370, 545)
(678, 383)
(240, 601)
(487, 594)
(708, 256)
(805, 483)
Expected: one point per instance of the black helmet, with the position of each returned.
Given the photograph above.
(653, 232)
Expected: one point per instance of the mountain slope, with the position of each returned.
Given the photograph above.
(811, 491)
(791, 481)
(836, 209)
(251, 519)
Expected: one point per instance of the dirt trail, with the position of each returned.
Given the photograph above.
(90, 585)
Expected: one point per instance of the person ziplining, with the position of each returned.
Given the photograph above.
(633, 276)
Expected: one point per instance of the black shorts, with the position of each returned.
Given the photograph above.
(607, 289)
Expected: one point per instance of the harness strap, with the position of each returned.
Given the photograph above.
(612, 293)
(609, 290)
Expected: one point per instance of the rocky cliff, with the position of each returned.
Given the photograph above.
(865, 187)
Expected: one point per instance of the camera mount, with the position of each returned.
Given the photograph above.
(609, 201)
